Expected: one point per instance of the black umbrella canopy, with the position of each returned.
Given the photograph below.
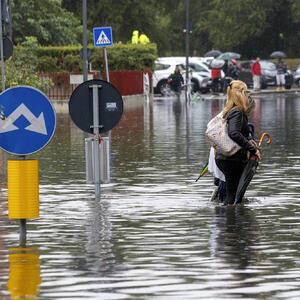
(212, 53)
(278, 54)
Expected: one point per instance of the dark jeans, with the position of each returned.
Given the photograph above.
(215, 85)
(232, 171)
(221, 191)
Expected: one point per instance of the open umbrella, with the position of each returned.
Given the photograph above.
(229, 55)
(278, 54)
(235, 62)
(217, 63)
(212, 53)
(248, 173)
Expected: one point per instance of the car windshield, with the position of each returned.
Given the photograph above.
(267, 65)
(159, 66)
(197, 68)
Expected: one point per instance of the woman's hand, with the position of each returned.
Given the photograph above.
(258, 155)
(253, 143)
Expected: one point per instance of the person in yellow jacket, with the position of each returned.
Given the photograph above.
(144, 39)
(135, 37)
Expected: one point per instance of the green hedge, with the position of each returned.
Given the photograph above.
(120, 57)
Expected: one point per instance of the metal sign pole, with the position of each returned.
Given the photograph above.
(1, 50)
(187, 50)
(106, 65)
(84, 21)
(107, 79)
(96, 139)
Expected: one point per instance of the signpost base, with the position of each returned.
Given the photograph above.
(22, 230)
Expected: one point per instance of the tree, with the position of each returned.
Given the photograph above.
(21, 69)
(151, 16)
(250, 27)
(46, 20)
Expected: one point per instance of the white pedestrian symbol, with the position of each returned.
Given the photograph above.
(103, 39)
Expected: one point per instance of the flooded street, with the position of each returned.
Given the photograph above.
(154, 234)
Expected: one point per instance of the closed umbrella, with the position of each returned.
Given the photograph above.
(278, 54)
(217, 63)
(212, 53)
(203, 172)
(248, 173)
(229, 55)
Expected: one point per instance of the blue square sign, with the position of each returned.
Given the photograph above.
(102, 36)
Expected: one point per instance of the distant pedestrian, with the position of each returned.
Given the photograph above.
(215, 76)
(233, 71)
(225, 70)
(280, 76)
(135, 37)
(256, 74)
(176, 80)
(143, 39)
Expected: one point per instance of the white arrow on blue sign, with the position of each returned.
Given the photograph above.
(29, 122)
(102, 36)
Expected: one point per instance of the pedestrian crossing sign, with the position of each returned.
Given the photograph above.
(102, 36)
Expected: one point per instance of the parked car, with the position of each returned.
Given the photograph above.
(297, 76)
(268, 78)
(164, 66)
(163, 69)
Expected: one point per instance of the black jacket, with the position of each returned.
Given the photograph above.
(176, 81)
(238, 130)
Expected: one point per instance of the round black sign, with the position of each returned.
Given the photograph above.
(110, 106)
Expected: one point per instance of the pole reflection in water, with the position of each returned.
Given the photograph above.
(24, 273)
(99, 248)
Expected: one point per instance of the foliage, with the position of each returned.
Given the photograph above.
(124, 16)
(250, 27)
(21, 69)
(47, 64)
(127, 57)
(46, 20)
(67, 59)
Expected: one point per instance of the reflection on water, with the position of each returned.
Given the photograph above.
(154, 234)
(24, 273)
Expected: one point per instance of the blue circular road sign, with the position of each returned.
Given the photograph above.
(29, 120)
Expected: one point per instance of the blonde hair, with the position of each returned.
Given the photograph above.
(236, 96)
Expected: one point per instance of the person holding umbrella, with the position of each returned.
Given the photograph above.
(237, 109)
(280, 76)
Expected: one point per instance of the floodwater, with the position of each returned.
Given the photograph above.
(154, 234)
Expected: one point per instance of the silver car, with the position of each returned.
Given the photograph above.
(297, 76)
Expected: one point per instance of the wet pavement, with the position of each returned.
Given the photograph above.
(154, 234)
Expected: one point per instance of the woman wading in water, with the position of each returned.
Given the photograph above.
(238, 107)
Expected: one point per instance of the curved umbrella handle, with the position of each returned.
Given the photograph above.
(262, 137)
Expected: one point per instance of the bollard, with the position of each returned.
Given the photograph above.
(23, 192)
